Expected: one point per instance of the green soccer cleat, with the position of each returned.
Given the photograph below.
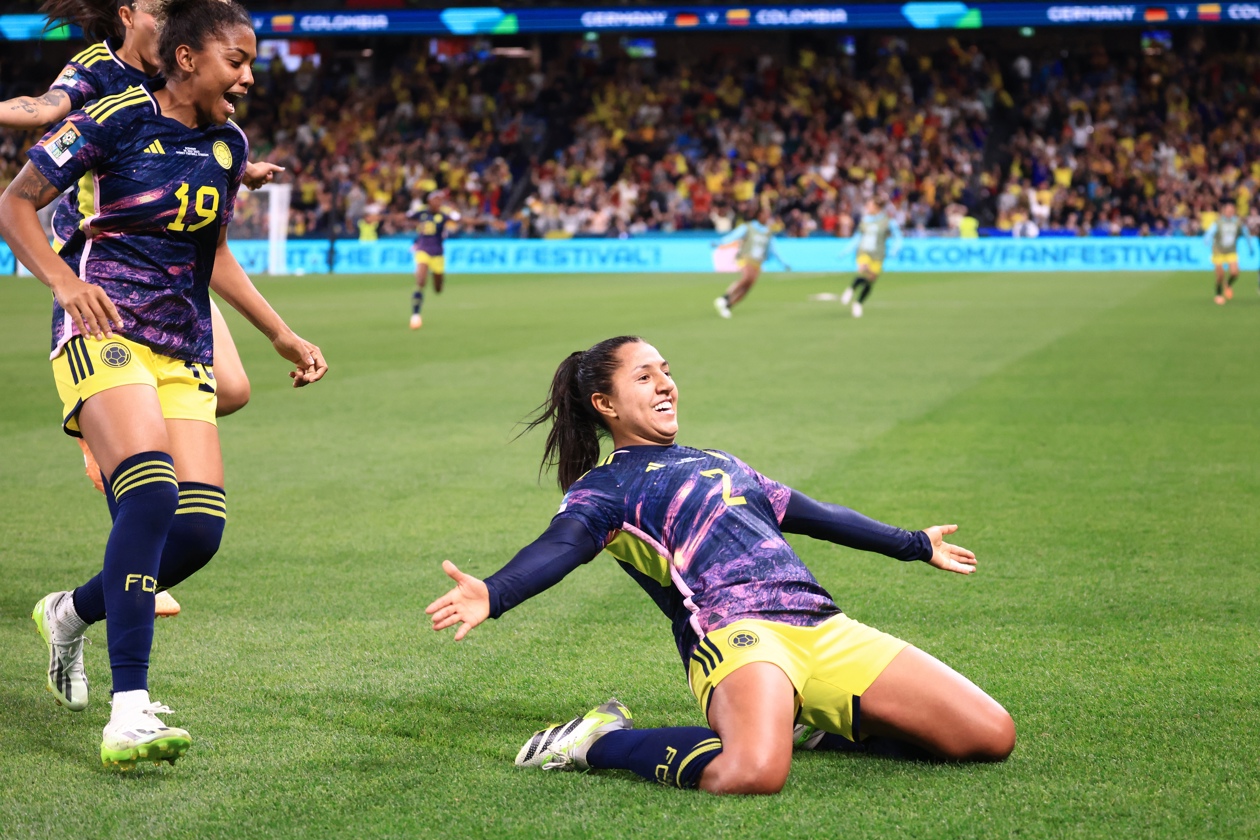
(66, 679)
(564, 746)
(142, 736)
(806, 737)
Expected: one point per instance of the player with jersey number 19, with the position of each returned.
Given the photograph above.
(132, 349)
(764, 646)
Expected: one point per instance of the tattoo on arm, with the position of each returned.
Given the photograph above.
(54, 98)
(24, 103)
(31, 185)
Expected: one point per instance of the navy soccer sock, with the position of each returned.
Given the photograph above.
(195, 534)
(147, 494)
(190, 544)
(675, 756)
(417, 301)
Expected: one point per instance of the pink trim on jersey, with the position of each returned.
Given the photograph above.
(674, 575)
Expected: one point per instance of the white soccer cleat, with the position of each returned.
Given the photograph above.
(857, 309)
(66, 679)
(565, 745)
(141, 735)
(165, 605)
(416, 323)
(847, 297)
(806, 737)
(722, 308)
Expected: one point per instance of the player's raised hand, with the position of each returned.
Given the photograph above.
(89, 307)
(467, 605)
(311, 366)
(259, 173)
(951, 558)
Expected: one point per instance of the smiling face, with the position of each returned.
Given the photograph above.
(643, 405)
(219, 74)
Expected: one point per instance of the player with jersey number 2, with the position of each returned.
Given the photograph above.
(132, 343)
(769, 656)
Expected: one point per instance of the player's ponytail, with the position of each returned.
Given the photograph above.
(191, 23)
(576, 427)
(97, 18)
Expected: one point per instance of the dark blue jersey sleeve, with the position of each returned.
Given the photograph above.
(843, 526)
(565, 545)
(73, 147)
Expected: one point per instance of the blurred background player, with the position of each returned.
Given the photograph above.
(874, 230)
(1223, 235)
(756, 246)
(125, 55)
(433, 223)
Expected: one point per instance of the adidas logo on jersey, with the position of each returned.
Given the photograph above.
(155, 148)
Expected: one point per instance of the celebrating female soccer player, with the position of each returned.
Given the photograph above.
(764, 645)
(756, 245)
(431, 231)
(125, 56)
(132, 344)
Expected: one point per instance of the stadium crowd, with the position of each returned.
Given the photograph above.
(1106, 141)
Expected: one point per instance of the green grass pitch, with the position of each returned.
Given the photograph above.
(1096, 436)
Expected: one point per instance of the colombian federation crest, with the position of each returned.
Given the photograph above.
(223, 154)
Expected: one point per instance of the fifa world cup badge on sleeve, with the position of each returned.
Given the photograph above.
(62, 145)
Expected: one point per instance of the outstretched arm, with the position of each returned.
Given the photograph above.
(231, 283)
(565, 545)
(34, 111)
(847, 527)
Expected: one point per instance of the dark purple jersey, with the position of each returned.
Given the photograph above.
(162, 192)
(430, 231)
(699, 531)
(95, 72)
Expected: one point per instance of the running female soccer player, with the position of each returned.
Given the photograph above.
(1222, 237)
(132, 343)
(431, 232)
(764, 645)
(871, 241)
(126, 55)
(756, 245)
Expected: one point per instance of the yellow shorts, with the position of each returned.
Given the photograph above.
(435, 262)
(1225, 259)
(744, 262)
(830, 665)
(85, 367)
(865, 262)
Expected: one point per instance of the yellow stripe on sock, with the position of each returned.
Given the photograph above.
(703, 748)
(143, 465)
(222, 514)
(158, 473)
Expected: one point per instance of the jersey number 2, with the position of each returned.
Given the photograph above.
(207, 213)
(730, 500)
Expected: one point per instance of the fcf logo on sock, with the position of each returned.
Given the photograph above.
(147, 584)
